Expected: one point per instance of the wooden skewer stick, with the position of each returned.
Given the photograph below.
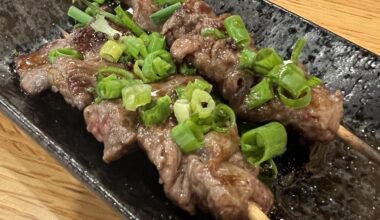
(255, 213)
(356, 143)
(64, 33)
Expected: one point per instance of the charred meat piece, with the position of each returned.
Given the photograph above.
(111, 124)
(68, 76)
(189, 181)
(218, 61)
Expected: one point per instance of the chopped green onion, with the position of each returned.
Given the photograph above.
(101, 25)
(260, 93)
(99, 1)
(157, 114)
(247, 58)
(197, 84)
(212, 32)
(264, 143)
(186, 70)
(110, 87)
(145, 38)
(156, 42)
(95, 9)
(314, 81)
(127, 22)
(126, 58)
(188, 136)
(269, 171)
(111, 51)
(266, 60)
(79, 15)
(64, 52)
(90, 10)
(300, 44)
(236, 29)
(158, 65)
(202, 103)
(117, 71)
(137, 69)
(182, 110)
(290, 77)
(136, 95)
(224, 118)
(161, 66)
(161, 3)
(162, 15)
(205, 124)
(298, 102)
(180, 90)
(134, 46)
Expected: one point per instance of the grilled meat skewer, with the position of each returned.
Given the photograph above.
(116, 127)
(218, 61)
(216, 179)
(70, 77)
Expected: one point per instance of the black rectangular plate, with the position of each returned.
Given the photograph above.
(336, 183)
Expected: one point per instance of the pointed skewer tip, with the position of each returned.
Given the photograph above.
(255, 213)
(358, 144)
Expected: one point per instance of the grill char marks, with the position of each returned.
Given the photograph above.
(111, 124)
(70, 77)
(218, 61)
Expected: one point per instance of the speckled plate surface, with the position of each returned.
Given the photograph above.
(335, 183)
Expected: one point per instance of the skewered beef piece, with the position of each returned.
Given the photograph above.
(191, 181)
(217, 179)
(217, 172)
(71, 77)
(218, 61)
(111, 124)
(116, 127)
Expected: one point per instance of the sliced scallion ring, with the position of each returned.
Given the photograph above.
(157, 114)
(202, 103)
(111, 51)
(236, 29)
(188, 136)
(300, 102)
(182, 110)
(64, 52)
(264, 143)
(224, 118)
(260, 93)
